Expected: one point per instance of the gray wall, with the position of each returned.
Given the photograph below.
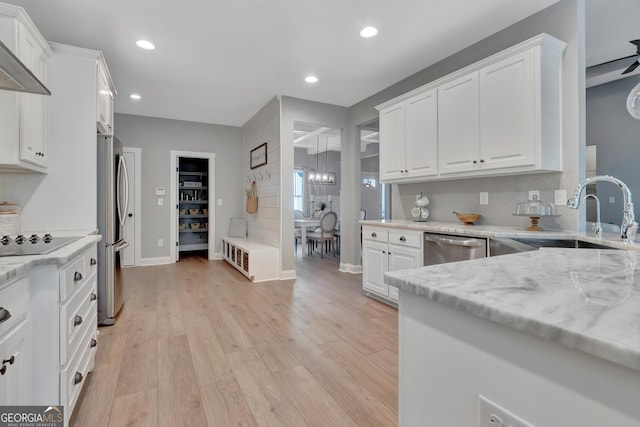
(157, 137)
(564, 20)
(617, 137)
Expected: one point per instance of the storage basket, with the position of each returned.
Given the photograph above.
(194, 225)
(193, 211)
(182, 226)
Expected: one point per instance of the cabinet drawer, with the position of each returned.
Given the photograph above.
(14, 297)
(72, 277)
(73, 377)
(377, 234)
(405, 238)
(91, 261)
(75, 319)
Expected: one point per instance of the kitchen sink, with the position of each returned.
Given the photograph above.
(504, 246)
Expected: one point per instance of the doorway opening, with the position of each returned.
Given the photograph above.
(192, 221)
(316, 189)
(375, 197)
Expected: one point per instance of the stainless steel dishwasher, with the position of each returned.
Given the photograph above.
(441, 248)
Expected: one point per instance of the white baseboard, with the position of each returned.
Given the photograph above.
(145, 262)
(350, 268)
(217, 256)
(287, 274)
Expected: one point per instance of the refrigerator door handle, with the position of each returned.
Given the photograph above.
(123, 203)
(122, 244)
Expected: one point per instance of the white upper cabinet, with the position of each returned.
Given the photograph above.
(104, 113)
(501, 115)
(23, 115)
(458, 122)
(409, 138)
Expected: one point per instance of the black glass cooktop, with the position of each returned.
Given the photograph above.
(32, 245)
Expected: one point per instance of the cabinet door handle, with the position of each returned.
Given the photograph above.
(374, 234)
(3, 369)
(475, 162)
(384, 252)
(9, 360)
(77, 276)
(93, 343)
(77, 320)
(77, 378)
(93, 297)
(403, 239)
(93, 261)
(4, 315)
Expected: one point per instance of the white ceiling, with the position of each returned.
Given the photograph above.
(221, 61)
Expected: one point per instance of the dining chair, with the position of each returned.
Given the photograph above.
(297, 232)
(328, 223)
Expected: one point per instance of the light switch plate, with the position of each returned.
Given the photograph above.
(484, 198)
(219, 202)
(560, 197)
(534, 193)
(612, 199)
(160, 191)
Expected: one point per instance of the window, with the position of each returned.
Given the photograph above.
(298, 190)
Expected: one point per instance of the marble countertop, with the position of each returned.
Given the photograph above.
(495, 231)
(13, 266)
(586, 299)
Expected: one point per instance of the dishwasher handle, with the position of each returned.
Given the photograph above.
(472, 243)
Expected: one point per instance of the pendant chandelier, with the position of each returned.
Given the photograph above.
(315, 176)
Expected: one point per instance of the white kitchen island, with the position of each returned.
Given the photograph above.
(552, 336)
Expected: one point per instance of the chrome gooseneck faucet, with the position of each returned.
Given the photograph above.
(629, 227)
(597, 227)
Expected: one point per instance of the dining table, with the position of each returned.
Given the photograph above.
(305, 223)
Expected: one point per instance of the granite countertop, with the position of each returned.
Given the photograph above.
(495, 231)
(586, 299)
(13, 266)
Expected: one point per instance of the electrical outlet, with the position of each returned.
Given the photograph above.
(160, 201)
(534, 193)
(492, 415)
(160, 242)
(219, 202)
(560, 197)
(484, 198)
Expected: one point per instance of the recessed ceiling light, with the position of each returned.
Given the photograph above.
(145, 44)
(135, 96)
(368, 32)
(311, 79)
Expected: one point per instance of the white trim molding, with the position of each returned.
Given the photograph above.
(287, 274)
(350, 268)
(146, 262)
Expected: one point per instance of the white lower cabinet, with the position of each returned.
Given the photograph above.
(14, 334)
(388, 250)
(64, 319)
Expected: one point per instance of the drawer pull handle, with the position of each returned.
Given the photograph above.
(77, 378)
(4, 315)
(403, 239)
(374, 234)
(93, 261)
(3, 370)
(93, 297)
(77, 276)
(9, 360)
(93, 343)
(77, 320)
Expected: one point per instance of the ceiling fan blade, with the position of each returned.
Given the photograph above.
(631, 67)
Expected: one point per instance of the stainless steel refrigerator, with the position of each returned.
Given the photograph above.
(113, 199)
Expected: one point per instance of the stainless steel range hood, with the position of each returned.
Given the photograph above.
(14, 75)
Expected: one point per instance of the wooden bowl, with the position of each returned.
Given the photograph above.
(468, 219)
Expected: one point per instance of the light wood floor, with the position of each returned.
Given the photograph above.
(196, 344)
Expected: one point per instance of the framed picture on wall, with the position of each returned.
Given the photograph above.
(258, 156)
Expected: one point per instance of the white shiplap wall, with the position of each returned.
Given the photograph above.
(264, 127)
